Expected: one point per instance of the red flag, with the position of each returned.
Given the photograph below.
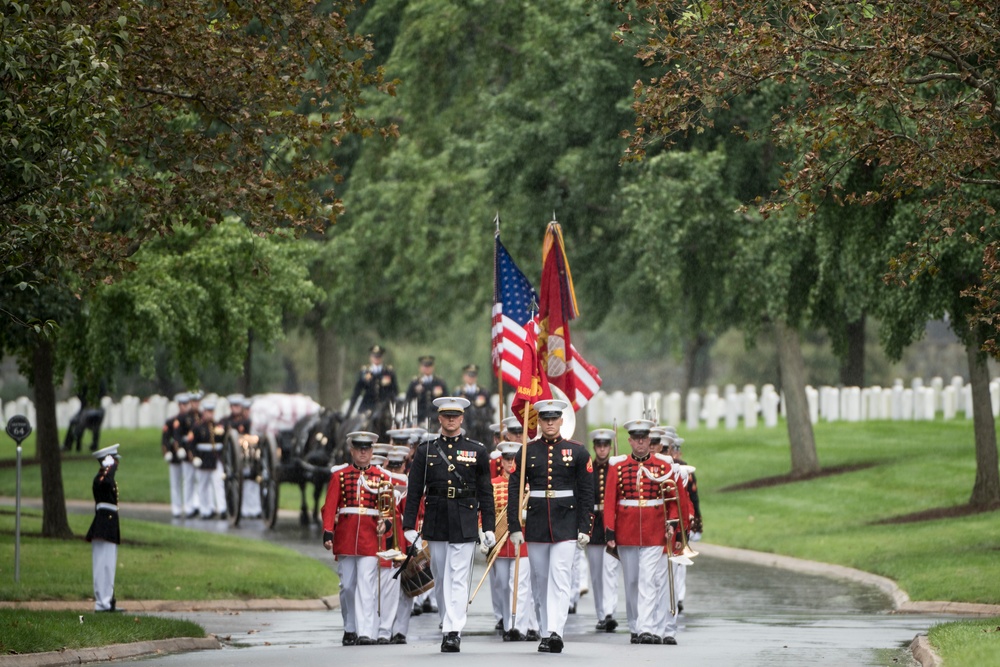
(564, 366)
(533, 385)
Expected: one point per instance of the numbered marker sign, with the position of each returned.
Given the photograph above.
(18, 428)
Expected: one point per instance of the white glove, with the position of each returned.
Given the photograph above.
(167, 457)
(411, 536)
(582, 540)
(182, 453)
(483, 549)
(196, 461)
(517, 539)
(694, 537)
(489, 539)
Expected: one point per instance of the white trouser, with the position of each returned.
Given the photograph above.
(404, 610)
(578, 577)
(526, 618)
(190, 493)
(219, 486)
(666, 622)
(551, 573)
(176, 489)
(451, 564)
(390, 601)
(680, 580)
(206, 500)
(357, 594)
(603, 580)
(497, 593)
(642, 587)
(250, 507)
(105, 560)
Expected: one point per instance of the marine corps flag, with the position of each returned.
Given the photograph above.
(533, 385)
(563, 365)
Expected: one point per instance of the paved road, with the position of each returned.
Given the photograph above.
(736, 614)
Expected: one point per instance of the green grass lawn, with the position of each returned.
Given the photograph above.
(157, 562)
(37, 631)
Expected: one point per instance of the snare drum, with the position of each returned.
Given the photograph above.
(417, 577)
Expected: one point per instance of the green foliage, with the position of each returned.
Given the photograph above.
(199, 294)
(23, 631)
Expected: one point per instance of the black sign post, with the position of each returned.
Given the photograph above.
(18, 428)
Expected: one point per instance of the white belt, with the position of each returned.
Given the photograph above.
(653, 502)
(357, 510)
(107, 506)
(566, 493)
(208, 447)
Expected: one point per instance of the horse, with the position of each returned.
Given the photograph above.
(87, 419)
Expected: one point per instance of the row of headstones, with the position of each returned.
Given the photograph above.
(733, 408)
(710, 408)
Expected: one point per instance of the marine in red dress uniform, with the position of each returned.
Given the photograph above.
(351, 530)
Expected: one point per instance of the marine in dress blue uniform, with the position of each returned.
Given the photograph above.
(560, 487)
(451, 476)
(105, 533)
(376, 382)
(425, 388)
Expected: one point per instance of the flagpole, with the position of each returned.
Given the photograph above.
(520, 504)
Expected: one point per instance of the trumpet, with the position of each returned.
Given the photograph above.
(670, 493)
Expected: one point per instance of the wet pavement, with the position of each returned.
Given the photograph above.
(735, 614)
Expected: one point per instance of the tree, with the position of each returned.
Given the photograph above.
(905, 89)
(197, 110)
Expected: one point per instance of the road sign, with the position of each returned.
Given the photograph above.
(18, 428)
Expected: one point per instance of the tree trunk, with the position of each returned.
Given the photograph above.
(329, 373)
(852, 366)
(54, 521)
(246, 380)
(986, 490)
(694, 367)
(793, 384)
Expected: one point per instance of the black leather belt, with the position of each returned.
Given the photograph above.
(451, 492)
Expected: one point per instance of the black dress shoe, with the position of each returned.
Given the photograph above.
(634, 639)
(350, 639)
(610, 624)
(531, 636)
(381, 641)
(513, 635)
(365, 641)
(224, 516)
(398, 638)
(657, 639)
(427, 607)
(417, 609)
(670, 640)
(543, 646)
(680, 607)
(451, 643)
(645, 638)
(192, 514)
(602, 625)
(572, 609)
(555, 643)
(499, 627)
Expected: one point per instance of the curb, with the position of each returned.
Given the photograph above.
(145, 606)
(923, 653)
(111, 652)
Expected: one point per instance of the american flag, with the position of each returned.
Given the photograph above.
(515, 304)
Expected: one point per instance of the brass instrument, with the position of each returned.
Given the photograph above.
(502, 533)
(385, 502)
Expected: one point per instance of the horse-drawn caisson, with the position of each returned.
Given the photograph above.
(293, 440)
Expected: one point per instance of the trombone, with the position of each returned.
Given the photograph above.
(385, 501)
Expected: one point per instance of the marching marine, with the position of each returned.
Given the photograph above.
(603, 566)
(560, 487)
(351, 530)
(451, 474)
